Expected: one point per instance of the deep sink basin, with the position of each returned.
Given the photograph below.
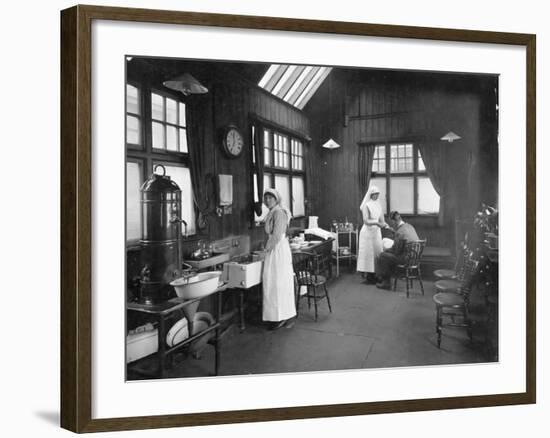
(197, 286)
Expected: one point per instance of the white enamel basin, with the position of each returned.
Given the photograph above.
(198, 286)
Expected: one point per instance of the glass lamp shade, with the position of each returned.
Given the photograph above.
(331, 144)
(450, 137)
(186, 84)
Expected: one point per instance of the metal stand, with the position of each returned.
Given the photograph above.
(161, 312)
(352, 255)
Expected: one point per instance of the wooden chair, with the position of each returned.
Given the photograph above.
(409, 270)
(307, 272)
(488, 284)
(452, 274)
(324, 251)
(455, 303)
(453, 284)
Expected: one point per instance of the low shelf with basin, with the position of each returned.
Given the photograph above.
(165, 310)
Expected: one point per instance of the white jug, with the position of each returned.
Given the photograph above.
(313, 222)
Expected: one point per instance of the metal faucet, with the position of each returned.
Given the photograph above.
(174, 219)
(187, 271)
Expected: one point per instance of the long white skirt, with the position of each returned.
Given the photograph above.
(370, 247)
(278, 284)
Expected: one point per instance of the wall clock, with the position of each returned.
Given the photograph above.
(232, 141)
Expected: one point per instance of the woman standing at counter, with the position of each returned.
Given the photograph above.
(370, 236)
(277, 277)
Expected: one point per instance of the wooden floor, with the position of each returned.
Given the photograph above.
(368, 328)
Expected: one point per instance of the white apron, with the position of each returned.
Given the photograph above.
(278, 284)
(370, 242)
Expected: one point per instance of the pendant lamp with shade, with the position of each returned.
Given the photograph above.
(330, 143)
(186, 84)
(450, 137)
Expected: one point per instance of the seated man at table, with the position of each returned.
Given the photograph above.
(390, 258)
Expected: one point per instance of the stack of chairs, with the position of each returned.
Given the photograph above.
(452, 299)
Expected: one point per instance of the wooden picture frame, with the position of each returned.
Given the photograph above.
(76, 218)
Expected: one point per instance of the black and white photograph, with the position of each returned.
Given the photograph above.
(288, 218)
(275, 219)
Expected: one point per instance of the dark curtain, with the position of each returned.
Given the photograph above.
(258, 168)
(196, 112)
(434, 155)
(366, 155)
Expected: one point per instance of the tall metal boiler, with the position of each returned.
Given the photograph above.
(160, 236)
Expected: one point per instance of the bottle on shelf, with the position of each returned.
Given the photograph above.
(349, 226)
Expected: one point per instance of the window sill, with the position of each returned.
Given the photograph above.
(132, 245)
(168, 152)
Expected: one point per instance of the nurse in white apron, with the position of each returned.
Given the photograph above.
(370, 236)
(277, 278)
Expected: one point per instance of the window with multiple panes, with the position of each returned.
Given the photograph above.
(134, 180)
(379, 160)
(399, 172)
(401, 158)
(280, 151)
(164, 143)
(133, 115)
(284, 169)
(297, 151)
(168, 123)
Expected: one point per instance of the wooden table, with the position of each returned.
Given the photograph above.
(323, 249)
(161, 312)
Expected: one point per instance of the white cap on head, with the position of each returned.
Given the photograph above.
(371, 191)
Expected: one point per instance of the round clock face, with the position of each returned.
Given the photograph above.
(233, 142)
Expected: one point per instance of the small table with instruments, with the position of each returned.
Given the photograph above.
(347, 252)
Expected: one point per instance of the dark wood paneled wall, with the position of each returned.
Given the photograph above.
(367, 106)
(238, 104)
(233, 100)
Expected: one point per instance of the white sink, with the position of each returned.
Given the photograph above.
(242, 275)
(197, 286)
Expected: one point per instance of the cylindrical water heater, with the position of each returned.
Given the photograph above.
(160, 236)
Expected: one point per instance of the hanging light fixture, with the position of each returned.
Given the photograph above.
(331, 144)
(450, 137)
(186, 84)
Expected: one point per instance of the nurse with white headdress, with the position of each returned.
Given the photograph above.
(370, 236)
(278, 275)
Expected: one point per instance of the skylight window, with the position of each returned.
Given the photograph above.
(284, 80)
(294, 84)
(297, 83)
